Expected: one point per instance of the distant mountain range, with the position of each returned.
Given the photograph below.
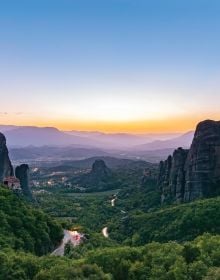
(49, 143)
(184, 141)
(40, 136)
(122, 140)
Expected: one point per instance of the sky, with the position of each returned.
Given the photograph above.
(110, 65)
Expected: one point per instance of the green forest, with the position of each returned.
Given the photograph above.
(146, 240)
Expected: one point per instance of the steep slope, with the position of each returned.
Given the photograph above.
(203, 162)
(188, 175)
(180, 222)
(171, 178)
(25, 228)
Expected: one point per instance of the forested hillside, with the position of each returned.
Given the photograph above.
(180, 222)
(189, 245)
(24, 227)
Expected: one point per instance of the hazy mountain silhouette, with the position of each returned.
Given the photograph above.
(123, 140)
(24, 136)
(41, 136)
(184, 140)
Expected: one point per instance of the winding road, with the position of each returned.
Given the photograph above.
(69, 236)
(105, 229)
(75, 237)
(105, 232)
(113, 202)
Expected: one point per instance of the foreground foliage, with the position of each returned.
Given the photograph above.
(23, 227)
(176, 242)
(195, 260)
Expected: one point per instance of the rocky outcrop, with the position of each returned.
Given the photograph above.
(203, 162)
(99, 169)
(6, 168)
(99, 175)
(22, 173)
(188, 175)
(98, 179)
(177, 174)
(171, 179)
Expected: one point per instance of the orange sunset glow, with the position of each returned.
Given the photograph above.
(177, 124)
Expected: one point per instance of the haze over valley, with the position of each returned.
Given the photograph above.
(51, 144)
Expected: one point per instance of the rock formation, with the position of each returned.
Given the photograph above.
(99, 178)
(164, 177)
(203, 162)
(22, 173)
(177, 173)
(188, 175)
(99, 175)
(99, 169)
(171, 179)
(6, 168)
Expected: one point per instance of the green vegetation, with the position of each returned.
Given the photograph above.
(195, 260)
(191, 260)
(22, 266)
(181, 222)
(147, 241)
(23, 227)
(137, 217)
(92, 211)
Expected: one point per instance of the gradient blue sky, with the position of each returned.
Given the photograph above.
(115, 65)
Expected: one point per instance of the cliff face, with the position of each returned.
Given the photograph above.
(172, 176)
(177, 173)
(203, 162)
(22, 173)
(188, 175)
(164, 177)
(6, 168)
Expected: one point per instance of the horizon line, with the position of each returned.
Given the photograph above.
(98, 131)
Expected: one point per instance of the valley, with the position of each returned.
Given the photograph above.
(109, 140)
(112, 217)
